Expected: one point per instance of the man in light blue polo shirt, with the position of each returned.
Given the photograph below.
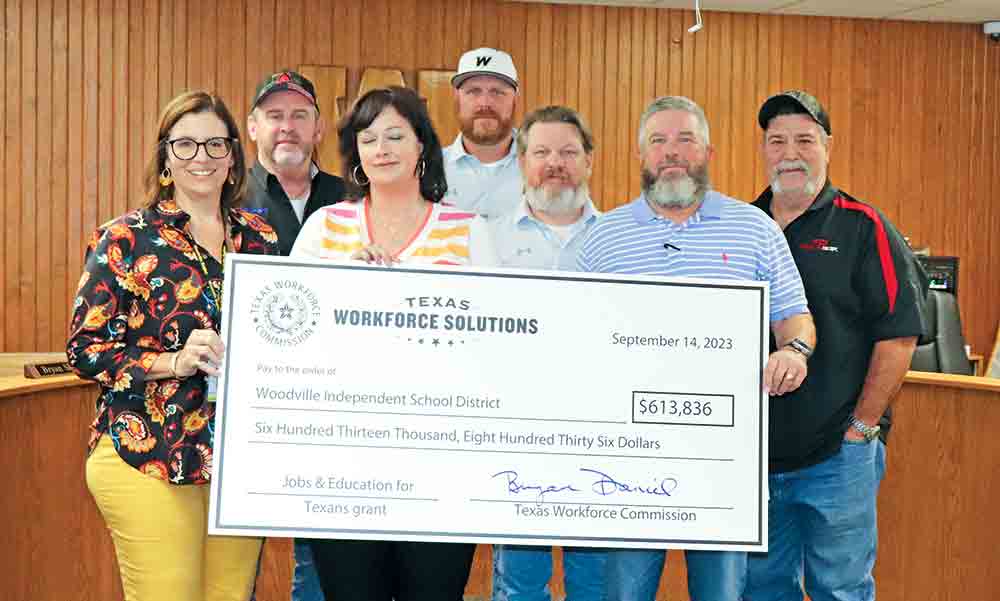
(679, 226)
(547, 226)
(481, 164)
(545, 231)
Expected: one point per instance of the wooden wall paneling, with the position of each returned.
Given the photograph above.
(163, 25)
(483, 29)
(571, 70)
(148, 70)
(399, 49)
(991, 129)
(584, 75)
(29, 235)
(375, 19)
(560, 63)
(841, 94)
(592, 88)
(40, 261)
(331, 87)
(318, 46)
(887, 125)
(435, 88)
(233, 83)
(512, 18)
(75, 198)
(288, 22)
(254, 57)
(728, 178)
(431, 22)
(58, 275)
(651, 76)
(347, 47)
(6, 271)
(454, 32)
(12, 180)
(120, 103)
(103, 140)
(5, 304)
(743, 157)
(136, 130)
(911, 107)
(633, 50)
(180, 46)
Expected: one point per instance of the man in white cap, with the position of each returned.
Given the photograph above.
(481, 165)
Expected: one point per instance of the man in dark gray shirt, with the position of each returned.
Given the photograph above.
(285, 185)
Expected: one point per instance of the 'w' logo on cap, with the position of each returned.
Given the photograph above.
(483, 60)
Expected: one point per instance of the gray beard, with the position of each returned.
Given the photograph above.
(678, 193)
(565, 202)
(286, 159)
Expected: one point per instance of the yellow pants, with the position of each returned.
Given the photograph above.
(160, 532)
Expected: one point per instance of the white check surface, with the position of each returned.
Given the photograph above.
(490, 406)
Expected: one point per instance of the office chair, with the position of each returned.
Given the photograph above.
(942, 348)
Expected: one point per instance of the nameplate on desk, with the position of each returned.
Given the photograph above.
(42, 370)
(490, 406)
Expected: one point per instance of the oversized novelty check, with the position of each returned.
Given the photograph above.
(490, 406)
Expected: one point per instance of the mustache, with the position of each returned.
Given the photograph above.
(486, 112)
(671, 164)
(796, 165)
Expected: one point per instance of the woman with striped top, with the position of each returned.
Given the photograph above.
(392, 158)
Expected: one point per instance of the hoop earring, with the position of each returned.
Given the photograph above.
(421, 168)
(166, 178)
(354, 176)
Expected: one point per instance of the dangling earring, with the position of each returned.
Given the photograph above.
(354, 176)
(166, 178)
(421, 167)
(231, 178)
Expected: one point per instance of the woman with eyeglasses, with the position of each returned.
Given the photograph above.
(145, 327)
(395, 172)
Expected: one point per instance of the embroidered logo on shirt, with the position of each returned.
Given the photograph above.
(725, 258)
(818, 244)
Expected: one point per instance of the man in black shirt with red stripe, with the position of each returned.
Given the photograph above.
(865, 291)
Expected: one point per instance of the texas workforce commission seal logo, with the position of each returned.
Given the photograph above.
(285, 312)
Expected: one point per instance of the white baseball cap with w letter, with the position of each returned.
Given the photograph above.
(485, 61)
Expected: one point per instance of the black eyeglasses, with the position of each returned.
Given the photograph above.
(185, 149)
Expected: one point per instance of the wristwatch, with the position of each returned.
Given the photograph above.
(869, 432)
(799, 346)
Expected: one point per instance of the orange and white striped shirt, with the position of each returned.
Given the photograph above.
(338, 231)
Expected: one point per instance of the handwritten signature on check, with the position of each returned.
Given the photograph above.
(602, 484)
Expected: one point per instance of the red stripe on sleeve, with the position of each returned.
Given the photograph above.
(882, 241)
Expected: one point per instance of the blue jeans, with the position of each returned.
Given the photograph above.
(522, 573)
(822, 525)
(305, 581)
(634, 574)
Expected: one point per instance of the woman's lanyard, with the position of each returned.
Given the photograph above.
(216, 294)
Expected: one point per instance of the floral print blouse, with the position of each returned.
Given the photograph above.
(141, 294)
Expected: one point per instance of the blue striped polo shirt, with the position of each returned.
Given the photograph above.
(724, 239)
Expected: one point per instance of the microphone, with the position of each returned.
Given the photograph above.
(668, 246)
